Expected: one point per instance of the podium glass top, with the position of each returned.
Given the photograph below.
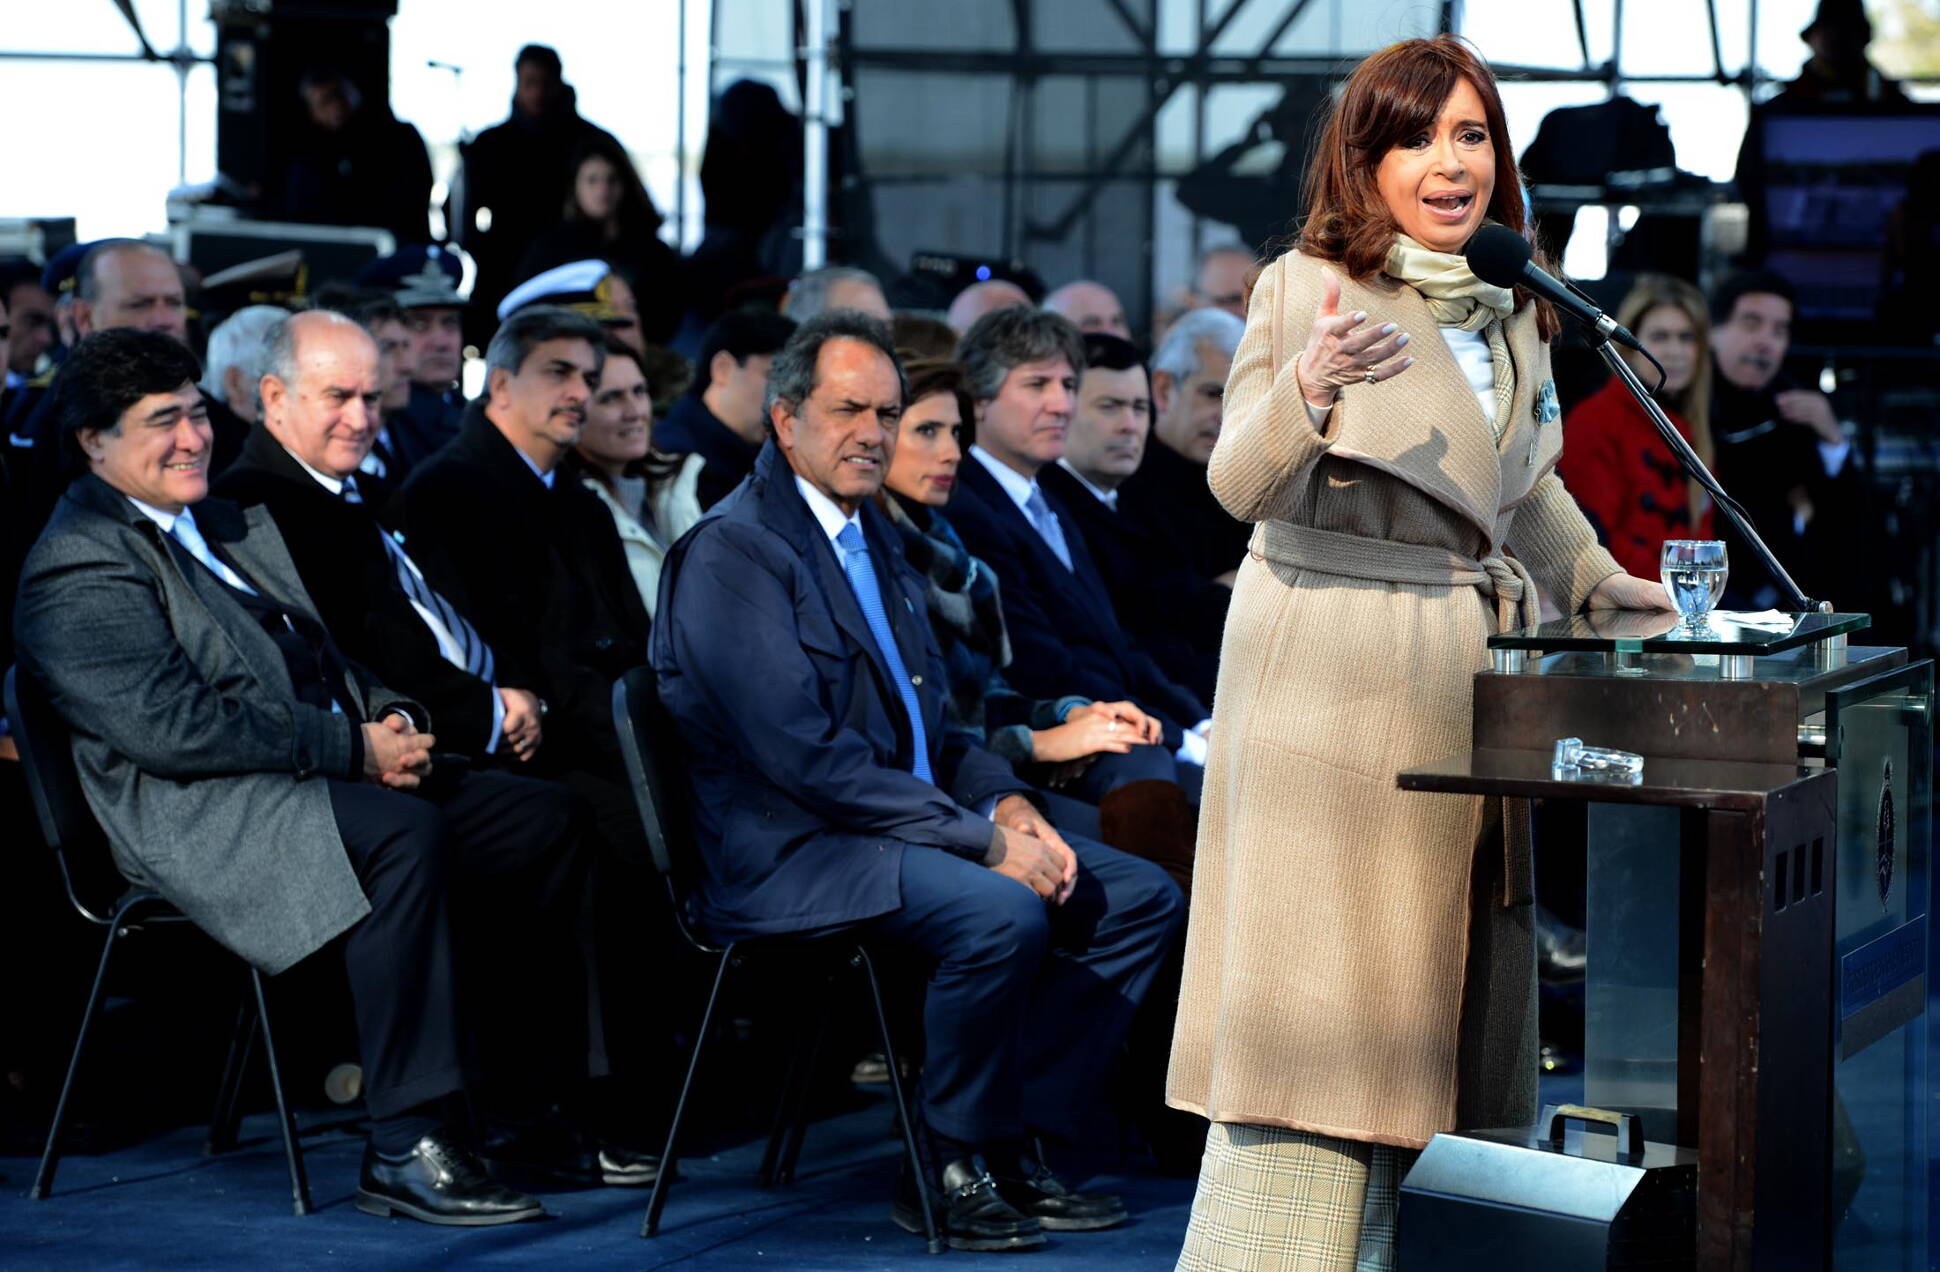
(1726, 632)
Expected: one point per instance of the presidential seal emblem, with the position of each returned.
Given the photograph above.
(1883, 837)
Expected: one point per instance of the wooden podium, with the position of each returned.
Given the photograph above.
(1758, 910)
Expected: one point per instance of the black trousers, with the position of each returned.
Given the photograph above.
(479, 927)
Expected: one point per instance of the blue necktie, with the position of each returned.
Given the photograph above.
(862, 581)
(1047, 525)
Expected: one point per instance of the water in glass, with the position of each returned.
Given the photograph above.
(1694, 573)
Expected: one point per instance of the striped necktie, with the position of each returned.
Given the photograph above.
(868, 594)
(457, 639)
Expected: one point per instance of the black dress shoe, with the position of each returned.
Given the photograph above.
(439, 1182)
(1030, 1187)
(973, 1216)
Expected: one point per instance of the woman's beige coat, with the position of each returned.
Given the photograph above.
(1334, 981)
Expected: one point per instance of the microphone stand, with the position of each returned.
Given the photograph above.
(1689, 461)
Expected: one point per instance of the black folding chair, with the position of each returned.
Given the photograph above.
(654, 756)
(101, 896)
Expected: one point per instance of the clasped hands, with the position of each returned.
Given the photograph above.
(1030, 850)
(396, 754)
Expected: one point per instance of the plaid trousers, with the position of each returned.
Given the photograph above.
(1274, 1200)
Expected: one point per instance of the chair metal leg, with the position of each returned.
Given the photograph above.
(222, 1123)
(299, 1178)
(902, 1102)
(651, 1226)
(51, 1158)
(791, 1150)
(784, 1105)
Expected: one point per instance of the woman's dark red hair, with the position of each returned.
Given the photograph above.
(1392, 96)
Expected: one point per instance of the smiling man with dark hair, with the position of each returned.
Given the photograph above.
(243, 767)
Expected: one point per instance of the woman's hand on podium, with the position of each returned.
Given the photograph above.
(1628, 592)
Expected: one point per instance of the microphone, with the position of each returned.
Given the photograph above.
(1502, 258)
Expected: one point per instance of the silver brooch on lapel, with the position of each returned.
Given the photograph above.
(1547, 407)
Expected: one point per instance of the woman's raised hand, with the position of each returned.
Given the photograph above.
(1341, 352)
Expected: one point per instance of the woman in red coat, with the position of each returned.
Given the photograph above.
(1621, 472)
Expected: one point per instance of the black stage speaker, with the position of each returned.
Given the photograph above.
(263, 47)
(1526, 1198)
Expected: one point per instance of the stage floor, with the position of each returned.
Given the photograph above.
(161, 1204)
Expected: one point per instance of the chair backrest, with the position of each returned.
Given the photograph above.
(66, 822)
(656, 767)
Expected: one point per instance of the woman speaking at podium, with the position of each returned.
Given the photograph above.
(1359, 970)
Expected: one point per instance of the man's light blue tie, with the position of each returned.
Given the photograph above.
(1047, 524)
(868, 594)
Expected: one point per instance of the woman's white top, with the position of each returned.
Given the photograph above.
(1471, 350)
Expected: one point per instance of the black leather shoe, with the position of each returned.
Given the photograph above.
(972, 1215)
(439, 1182)
(1031, 1189)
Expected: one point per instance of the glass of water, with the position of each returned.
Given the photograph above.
(1694, 571)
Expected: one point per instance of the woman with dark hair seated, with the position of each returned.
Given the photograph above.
(610, 217)
(651, 496)
(1086, 752)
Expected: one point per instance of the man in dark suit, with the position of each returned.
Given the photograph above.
(1023, 366)
(245, 769)
(423, 281)
(792, 650)
(1176, 613)
(320, 395)
(723, 418)
(1170, 488)
(534, 562)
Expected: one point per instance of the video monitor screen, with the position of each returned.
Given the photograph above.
(1832, 182)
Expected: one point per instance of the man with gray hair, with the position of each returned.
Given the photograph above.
(1169, 489)
(235, 360)
(836, 287)
(534, 561)
(793, 651)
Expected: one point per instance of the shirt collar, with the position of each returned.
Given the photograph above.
(1109, 498)
(827, 515)
(543, 476)
(335, 485)
(1019, 487)
(166, 520)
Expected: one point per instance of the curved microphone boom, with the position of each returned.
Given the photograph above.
(1503, 258)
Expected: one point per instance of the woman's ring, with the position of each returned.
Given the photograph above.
(1371, 379)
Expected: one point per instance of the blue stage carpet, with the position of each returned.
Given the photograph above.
(161, 1204)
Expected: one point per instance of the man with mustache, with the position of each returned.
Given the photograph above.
(793, 651)
(533, 561)
(1781, 450)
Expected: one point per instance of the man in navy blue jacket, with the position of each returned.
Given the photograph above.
(793, 651)
(1023, 366)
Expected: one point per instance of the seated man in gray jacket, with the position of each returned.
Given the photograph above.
(243, 768)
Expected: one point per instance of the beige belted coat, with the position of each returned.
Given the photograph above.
(1358, 961)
